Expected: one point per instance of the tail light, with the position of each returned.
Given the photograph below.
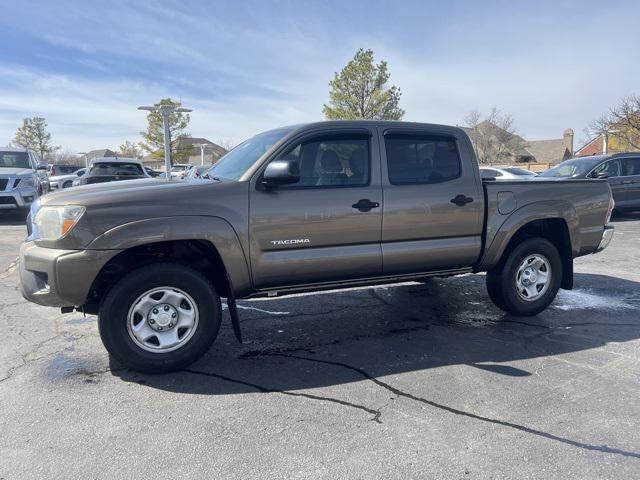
(612, 205)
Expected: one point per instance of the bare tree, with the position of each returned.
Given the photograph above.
(66, 156)
(494, 137)
(130, 149)
(226, 143)
(622, 122)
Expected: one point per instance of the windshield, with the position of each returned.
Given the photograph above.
(569, 169)
(235, 163)
(14, 160)
(115, 168)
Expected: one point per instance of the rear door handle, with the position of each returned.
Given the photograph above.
(365, 205)
(627, 182)
(461, 200)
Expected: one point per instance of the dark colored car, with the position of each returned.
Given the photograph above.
(111, 170)
(622, 170)
(151, 172)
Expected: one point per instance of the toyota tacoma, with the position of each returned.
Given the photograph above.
(302, 208)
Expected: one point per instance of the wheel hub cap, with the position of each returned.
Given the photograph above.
(162, 319)
(533, 277)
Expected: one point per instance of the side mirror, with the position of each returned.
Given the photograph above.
(602, 175)
(281, 172)
(42, 166)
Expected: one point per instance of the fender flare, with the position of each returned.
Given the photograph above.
(215, 230)
(542, 210)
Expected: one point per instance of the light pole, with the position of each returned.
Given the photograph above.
(86, 158)
(165, 111)
(202, 147)
(605, 146)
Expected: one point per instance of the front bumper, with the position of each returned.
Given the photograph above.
(607, 235)
(59, 278)
(20, 198)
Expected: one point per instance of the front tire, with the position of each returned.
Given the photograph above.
(160, 318)
(528, 279)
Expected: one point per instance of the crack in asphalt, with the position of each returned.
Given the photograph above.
(377, 414)
(455, 411)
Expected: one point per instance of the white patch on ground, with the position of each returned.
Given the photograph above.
(243, 307)
(586, 300)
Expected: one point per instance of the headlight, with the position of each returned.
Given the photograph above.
(53, 223)
(26, 182)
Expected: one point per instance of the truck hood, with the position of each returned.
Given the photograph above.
(13, 172)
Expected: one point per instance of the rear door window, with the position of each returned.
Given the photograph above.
(421, 159)
(630, 166)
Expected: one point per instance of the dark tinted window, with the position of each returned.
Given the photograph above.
(115, 168)
(15, 159)
(630, 166)
(331, 161)
(611, 168)
(65, 169)
(415, 159)
(489, 173)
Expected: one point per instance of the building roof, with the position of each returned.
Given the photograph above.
(548, 151)
(103, 152)
(195, 142)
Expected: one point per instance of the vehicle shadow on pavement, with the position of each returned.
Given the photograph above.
(331, 339)
(12, 218)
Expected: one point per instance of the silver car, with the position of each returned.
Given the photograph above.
(507, 173)
(22, 178)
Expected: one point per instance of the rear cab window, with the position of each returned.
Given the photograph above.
(421, 158)
(115, 168)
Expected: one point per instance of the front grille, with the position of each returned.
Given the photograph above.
(7, 201)
(3, 184)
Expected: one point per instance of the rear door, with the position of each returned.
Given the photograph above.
(433, 202)
(631, 181)
(326, 227)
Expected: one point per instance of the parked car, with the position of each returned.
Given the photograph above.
(622, 171)
(506, 173)
(151, 172)
(111, 169)
(58, 169)
(307, 207)
(65, 181)
(197, 171)
(179, 170)
(23, 178)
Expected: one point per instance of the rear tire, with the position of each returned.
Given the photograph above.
(160, 318)
(528, 279)
(67, 184)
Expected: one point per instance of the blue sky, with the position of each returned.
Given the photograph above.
(247, 66)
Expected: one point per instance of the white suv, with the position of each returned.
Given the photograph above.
(22, 178)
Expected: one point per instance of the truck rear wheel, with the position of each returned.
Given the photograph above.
(160, 318)
(527, 280)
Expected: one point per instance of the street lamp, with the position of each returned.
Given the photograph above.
(202, 147)
(165, 111)
(86, 158)
(605, 147)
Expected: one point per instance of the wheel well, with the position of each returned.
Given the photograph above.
(201, 255)
(557, 232)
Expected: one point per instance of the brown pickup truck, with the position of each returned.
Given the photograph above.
(308, 207)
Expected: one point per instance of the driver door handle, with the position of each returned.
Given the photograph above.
(365, 205)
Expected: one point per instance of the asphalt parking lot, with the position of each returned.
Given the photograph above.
(410, 381)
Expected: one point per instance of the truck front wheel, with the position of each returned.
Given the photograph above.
(160, 318)
(527, 280)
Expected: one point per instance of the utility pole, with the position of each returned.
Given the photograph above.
(165, 111)
(86, 158)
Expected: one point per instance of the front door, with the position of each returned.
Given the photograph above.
(326, 227)
(433, 205)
